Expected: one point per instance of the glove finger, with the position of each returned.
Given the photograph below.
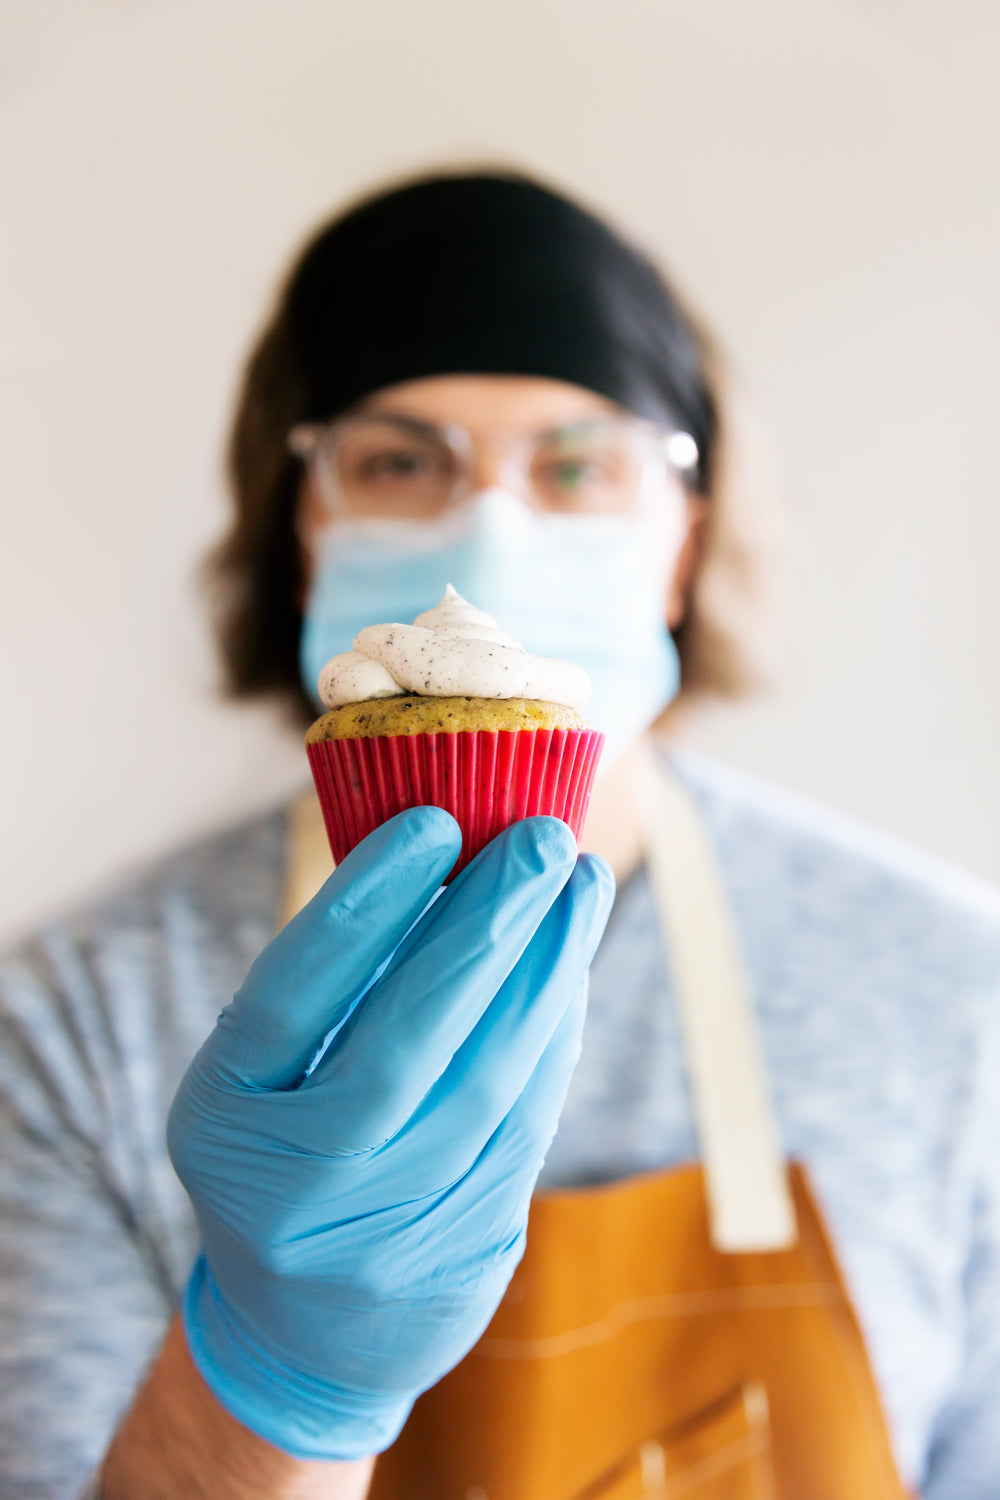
(304, 983)
(488, 1206)
(489, 1072)
(517, 1148)
(435, 991)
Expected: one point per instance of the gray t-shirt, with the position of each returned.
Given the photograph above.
(876, 976)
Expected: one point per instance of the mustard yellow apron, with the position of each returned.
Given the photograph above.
(632, 1358)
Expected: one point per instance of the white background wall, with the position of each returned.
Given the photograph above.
(820, 175)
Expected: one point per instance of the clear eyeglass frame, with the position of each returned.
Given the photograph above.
(394, 466)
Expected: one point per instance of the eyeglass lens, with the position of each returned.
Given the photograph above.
(384, 467)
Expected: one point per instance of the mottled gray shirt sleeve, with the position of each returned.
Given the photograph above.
(83, 1295)
(964, 1451)
(99, 1016)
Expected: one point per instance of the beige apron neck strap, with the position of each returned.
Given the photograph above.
(308, 861)
(750, 1203)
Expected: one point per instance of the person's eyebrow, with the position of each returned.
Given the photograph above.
(398, 418)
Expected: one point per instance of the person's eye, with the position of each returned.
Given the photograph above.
(398, 464)
(572, 473)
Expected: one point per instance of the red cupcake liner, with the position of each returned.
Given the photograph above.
(486, 779)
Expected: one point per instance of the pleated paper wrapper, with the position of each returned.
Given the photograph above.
(486, 779)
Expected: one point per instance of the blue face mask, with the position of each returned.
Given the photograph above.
(589, 589)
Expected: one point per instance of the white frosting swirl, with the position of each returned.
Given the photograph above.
(452, 651)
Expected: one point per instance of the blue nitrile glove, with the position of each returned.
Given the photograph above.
(360, 1220)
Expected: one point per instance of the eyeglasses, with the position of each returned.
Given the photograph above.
(393, 466)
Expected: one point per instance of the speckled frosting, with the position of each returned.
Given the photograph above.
(454, 652)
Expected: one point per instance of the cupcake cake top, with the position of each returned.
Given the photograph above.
(453, 650)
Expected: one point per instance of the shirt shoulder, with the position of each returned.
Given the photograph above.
(860, 947)
(229, 876)
(835, 870)
(119, 993)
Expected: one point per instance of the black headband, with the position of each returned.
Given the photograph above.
(490, 274)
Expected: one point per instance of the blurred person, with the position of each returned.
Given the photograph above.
(762, 1254)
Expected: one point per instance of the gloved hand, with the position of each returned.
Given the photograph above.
(360, 1219)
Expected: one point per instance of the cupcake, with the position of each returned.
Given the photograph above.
(450, 712)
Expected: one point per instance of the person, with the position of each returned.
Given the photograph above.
(763, 1253)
